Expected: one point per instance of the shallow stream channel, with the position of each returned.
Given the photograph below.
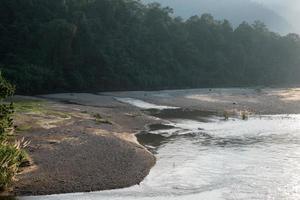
(200, 155)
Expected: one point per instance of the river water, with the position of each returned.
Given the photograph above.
(202, 156)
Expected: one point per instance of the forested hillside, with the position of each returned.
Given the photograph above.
(94, 45)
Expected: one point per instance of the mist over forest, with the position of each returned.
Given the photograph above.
(99, 45)
(236, 11)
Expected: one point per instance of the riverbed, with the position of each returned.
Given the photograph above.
(206, 155)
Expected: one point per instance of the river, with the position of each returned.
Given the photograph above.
(200, 155)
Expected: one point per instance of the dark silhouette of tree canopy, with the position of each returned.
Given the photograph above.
(94, 45)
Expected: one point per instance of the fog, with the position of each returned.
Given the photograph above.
(280, 16)
(289, 9)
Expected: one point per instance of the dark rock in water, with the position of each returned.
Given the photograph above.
(182, 113)
(155, 127)
(154, 140)
(53, 142)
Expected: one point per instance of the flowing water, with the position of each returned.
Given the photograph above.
(202, 156)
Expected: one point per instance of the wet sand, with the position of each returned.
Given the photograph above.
(79, 153)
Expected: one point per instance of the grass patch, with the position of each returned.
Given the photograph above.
(37, 107)
(23, 128)
(26, 106)
(99, 119)
(56, 113)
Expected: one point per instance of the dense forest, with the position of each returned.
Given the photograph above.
(96, 45)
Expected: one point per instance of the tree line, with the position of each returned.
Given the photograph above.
(97, 45)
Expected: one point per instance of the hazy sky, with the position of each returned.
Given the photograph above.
(289, 9)
(280, 15)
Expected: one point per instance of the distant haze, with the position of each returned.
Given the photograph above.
(289, 9)
(279, 15)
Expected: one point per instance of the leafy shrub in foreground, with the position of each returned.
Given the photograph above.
(11, 154)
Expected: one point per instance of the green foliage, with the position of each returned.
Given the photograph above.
(93, 45)
(32, 78)
(6, 89)
(6, 110)
(11, 155)
(6, 120)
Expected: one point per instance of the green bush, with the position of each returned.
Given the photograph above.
(11, 157)
(30, 77)
(11, 153)
(6, 110)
